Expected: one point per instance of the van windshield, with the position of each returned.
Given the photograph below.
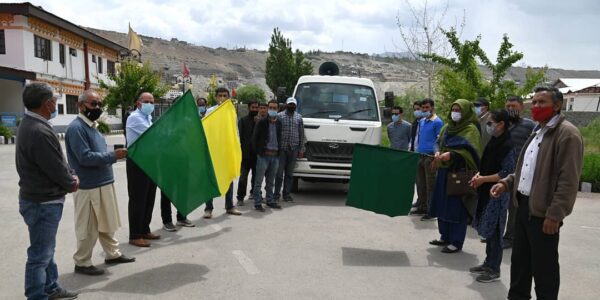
(337, 101)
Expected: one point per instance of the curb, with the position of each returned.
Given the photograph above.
(5, 141)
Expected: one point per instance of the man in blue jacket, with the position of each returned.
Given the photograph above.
(96, 207)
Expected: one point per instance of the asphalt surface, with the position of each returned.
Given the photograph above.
(315, 248)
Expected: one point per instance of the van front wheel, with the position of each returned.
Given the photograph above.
(295, 185)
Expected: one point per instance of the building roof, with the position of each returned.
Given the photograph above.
(28, 9)
(572, 85)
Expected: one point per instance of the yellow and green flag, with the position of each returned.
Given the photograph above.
(190, 160)
(382, 180)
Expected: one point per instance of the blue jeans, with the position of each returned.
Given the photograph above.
(41, 273)
(266, 167)
(228, 200)
(493, 251)
(287, 162)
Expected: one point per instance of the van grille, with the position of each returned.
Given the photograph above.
(329, 152)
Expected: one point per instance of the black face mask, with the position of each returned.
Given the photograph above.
(92, 113)
(253, 113)
(291, 110)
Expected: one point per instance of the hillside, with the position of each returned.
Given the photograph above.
(245, 66)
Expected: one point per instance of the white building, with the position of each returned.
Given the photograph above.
(37, 46)
(580, 94)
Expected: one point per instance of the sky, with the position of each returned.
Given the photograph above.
(560, 34)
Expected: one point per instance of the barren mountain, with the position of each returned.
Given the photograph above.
(242, 66)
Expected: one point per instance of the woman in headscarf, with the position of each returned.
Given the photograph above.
(497, 162)
(459, 149)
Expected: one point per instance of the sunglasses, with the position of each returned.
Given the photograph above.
(95, 103)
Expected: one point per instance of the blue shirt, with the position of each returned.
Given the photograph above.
(88, 155)
(429, 130)
(272, 140)
(137, 123)
(399, 134)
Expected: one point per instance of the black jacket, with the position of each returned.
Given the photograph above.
(44, 174)
(261, 135)
(246, 127)
(413, 133)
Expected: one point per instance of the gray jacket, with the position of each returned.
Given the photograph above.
(43, 171)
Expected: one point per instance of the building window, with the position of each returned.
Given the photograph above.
(61, 109)
(99, 65)
(42, 48)
(2, 43)
(73, 52)
(93, 58)
(61, 53)
(72, 105)
(110, 67)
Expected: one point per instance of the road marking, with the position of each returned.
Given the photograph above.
(588, 227)
(246, 262)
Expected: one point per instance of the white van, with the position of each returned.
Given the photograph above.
(337, 112)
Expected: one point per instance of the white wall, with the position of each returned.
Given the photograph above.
(15, 56)
(582, 102)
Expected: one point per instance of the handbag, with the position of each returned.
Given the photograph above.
(458, 182)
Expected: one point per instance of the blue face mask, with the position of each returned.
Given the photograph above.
(147, 108)
(54, 114)
(395, 118)
(426, 114)
(478, 110)
(272, 113)
(418, 114)
(201, 109)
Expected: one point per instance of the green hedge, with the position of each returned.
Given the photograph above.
(591, 170)
(5, 132)
(103, 127)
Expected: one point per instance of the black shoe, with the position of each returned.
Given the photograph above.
(418, 212)
(185, 223)
(288, 198)
(481, 269)
(489, 276)
(274, 205)
(259, 208)
(428, 218)
(169, 227)
(63, 294)
(91, 270)
(120, 260)
(439, 243)
(448, 250)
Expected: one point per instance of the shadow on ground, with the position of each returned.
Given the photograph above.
(149, 282)
(359, 257)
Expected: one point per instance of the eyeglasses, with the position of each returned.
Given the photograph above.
(95, 103)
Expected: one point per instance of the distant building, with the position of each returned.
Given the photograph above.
(580, 94)
(37, 46)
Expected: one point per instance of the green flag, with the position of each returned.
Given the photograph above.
(382, 180)
(173, 152)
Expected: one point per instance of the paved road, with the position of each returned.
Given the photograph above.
(315, 248)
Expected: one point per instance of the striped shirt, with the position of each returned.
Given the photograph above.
(292, 131)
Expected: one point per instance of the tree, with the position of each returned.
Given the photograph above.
(251, 92)
(284, 67)
(461, 77)
(128, 83)
(424, 36)
(406, 101)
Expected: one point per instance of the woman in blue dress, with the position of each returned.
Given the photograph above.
(459, 149)
(497, 162)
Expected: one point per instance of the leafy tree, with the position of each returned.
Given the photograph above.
(461, 77)
(284, 67)
(128, 83)
(406, 101)
(251, 92)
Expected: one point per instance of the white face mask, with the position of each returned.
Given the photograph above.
(456, 116)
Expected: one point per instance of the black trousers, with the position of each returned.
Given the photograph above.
(142, 192)
(534, 254)
(243, 180)
(165, 210)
